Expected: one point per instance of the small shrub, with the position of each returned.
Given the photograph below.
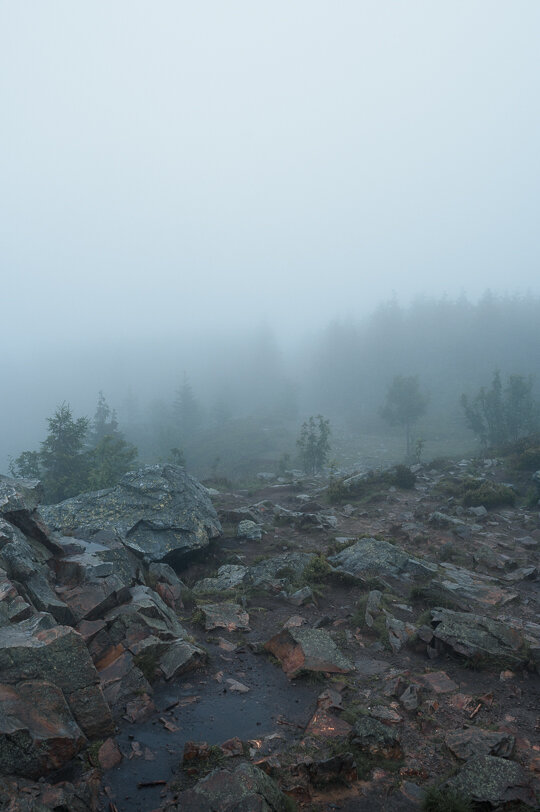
(489, 494)
(197, 617)
(403, 477)
(317, 570)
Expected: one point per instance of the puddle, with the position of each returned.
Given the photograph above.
(216, 716)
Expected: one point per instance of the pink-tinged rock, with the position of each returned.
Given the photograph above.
(303, 649)
(325, 724)
(121, 680)
(232, 747)
(171, 594)
(92, 600)
(109, 755)
(38, 733)
(438, 682)
(89, 628)
(228, 616)
(140, 709)
(59, 656)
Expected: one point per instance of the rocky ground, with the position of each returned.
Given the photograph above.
(356, 646)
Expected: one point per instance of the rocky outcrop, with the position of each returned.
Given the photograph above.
(478, 638)
(159, 512)
(39, 650)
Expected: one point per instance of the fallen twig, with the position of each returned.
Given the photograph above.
(475, 711)
(157, 783)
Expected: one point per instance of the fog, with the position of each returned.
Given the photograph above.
(231, 191)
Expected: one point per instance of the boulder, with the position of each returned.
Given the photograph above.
(473, 741)
(38, 733)
(159, 512)
(375, 738)
(494, 781)
(19, 499)
(249, 530)
(181, 657)
(478, 638)
(23, 795)
(36, 649)
(369, 556)
(302, 649)
(246, 788)
(228, 616)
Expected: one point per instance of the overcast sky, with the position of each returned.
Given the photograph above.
(170, 163)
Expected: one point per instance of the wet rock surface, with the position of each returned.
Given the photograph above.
(342, 657)
(160, 512)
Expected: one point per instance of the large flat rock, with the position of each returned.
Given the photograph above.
(479, 638)
(160, 512)
(370, 556)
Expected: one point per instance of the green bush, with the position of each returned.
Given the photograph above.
(403, 477)
(317, 570)
(489, 494)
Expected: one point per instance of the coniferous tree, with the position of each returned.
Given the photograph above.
(405, 403)
(63, 461)
(314, 443)
(188, 411)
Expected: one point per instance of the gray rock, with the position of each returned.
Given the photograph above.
(479, 638)
(438, 519)
(399, 632)
(144, 614)
(461, 587)
(37, 731)
(228, 616)
(492, 780)
(409, 698)
(375, 738)
(478, 512)
(249, 530)
(37, 649)
(280, 567)
(373, 606)
(303, 649)
(229, 576)
(246, 788)
(474, 741)
(181, 657)
(370, 556)
(160, 512)
(301, 596)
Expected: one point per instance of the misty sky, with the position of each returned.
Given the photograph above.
(169, 164)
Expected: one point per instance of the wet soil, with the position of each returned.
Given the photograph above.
(206, 712)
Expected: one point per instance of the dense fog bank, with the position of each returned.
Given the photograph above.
(233, 401)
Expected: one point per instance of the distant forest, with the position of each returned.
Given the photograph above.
(239, 406)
